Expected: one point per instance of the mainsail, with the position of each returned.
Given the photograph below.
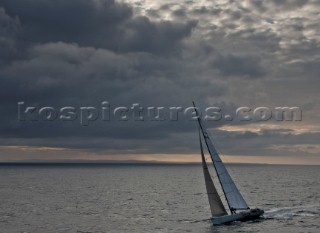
(216, 205)
(231, 192)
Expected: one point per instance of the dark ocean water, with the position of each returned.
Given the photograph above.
(137, 198)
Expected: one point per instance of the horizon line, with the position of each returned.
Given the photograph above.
(129, 162)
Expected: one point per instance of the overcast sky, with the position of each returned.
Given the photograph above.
(222, 53)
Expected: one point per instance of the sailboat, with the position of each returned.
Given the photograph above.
(239, 209)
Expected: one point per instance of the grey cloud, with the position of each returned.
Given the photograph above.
(52, 70)
(69, 21)
(179, 13)
(81, 52)
(263, 142)
(203, 10)
(61, 74)
(102, 24)
(304, 69)
(143, 35)
(276, 5)
(239, 65)
(9, 28)
(290, 3)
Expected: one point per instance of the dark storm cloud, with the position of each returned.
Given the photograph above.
(103, 24)
(82, 52)
(79, 53)
(61, 74)
(70, 21)
(51, 71)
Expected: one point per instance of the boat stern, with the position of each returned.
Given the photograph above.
(242, 216)
(256, 212)
(251, 214)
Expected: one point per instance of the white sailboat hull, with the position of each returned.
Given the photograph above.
(242, 216)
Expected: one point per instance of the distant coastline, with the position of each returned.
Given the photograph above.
(123, 163)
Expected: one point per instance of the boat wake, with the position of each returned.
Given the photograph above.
(290, 212)
(194, 221)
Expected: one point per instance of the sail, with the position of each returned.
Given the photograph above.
(216, 205)
(231, 192)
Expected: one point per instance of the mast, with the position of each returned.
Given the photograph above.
(216, 205)
(233, 196)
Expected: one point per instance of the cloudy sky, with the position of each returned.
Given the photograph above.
(222, 53)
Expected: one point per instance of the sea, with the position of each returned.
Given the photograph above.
(96, 198)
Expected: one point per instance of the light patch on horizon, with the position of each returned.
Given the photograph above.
(21, 154)
(285, 160)
(295, 129)
(241, 159)
(31, 148)
(302, 148)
